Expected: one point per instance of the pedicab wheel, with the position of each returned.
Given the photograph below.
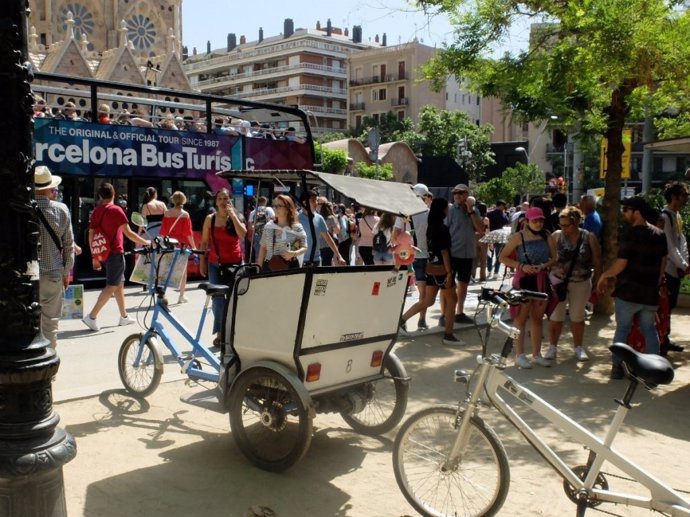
(476, 485)
(385, 402)
(143, 379)
(269, 422)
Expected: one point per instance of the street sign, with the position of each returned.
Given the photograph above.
(625, 162)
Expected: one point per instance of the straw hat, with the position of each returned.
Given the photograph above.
(44, 180)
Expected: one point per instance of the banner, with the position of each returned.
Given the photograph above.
(84, 148)
(625, 160)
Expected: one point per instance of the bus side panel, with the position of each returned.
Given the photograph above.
(278, 154)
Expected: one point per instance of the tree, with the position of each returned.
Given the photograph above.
(331, 160)
(524, 180)
(496, 188)
(383, 172)
(588, 63)
(389, 126)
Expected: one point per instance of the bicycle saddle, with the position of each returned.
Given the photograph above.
(214, 289)
(651, 369)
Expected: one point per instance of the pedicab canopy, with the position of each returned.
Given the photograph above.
(387, 196)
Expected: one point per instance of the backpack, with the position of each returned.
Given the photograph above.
(380, 243)
(260, 220)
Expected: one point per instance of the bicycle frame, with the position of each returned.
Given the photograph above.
(503, 393)
(157, 328)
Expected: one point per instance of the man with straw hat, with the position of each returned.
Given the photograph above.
(56, 251)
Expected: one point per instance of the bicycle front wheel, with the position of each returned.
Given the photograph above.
(476, 486)
(140, 378)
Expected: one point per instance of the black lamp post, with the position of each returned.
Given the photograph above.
(32, 448)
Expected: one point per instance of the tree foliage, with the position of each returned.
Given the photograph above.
(331, 160)
(588, 63)
(524, 180)
(496, 188)
(383, 172)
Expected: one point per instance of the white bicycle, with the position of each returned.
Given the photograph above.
(448, 462)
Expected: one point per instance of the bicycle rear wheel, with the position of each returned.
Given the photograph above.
(143, 379)
(476, 486)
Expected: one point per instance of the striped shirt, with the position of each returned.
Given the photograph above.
(51, 261)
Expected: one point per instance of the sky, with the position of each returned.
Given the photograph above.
(204, 20)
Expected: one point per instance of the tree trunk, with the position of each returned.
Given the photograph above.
(617, 111)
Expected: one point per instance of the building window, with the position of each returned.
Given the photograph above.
(401, 115)
(375, 116)
(358, 121)
(382, 94)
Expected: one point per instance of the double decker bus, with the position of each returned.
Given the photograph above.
(152, 137)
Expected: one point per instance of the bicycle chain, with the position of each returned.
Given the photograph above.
(630, 479)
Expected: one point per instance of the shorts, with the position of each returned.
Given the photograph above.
(440, 282)
(577, 298)
(419, 266)
(382, 256)
(115, 269)
(462, 269)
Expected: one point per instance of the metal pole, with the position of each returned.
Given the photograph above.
(32, 448)
(647, 156)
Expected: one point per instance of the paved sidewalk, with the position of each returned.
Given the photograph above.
(163, 458)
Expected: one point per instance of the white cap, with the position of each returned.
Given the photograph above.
(421, 190)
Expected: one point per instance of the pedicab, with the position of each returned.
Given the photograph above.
(313, 340)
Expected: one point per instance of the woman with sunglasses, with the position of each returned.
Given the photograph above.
(221, 239)
(283, 237)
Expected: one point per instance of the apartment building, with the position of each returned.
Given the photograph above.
(386, 79)
(301, 67)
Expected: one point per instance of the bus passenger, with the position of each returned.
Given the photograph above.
(104, 114)
(221, 238)
(111, 220)
(153, 210)
(178, 225)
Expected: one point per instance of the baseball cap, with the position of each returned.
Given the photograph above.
(460, 187)
(421, 190)
(534, 213)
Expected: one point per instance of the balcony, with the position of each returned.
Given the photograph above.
(287, 89)
(400, 101)
(282, 70)
(321, 109)
(388, 78)
(357, 106)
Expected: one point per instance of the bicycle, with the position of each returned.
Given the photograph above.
(448, 462)
(140, 360)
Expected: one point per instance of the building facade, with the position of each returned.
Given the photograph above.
(301, 67)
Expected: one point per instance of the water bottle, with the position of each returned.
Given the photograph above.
(195, 259)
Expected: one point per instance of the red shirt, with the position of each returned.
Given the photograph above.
(229, 245)
(182, 230)
(108, 218)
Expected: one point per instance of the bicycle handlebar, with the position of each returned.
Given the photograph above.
(512, 297)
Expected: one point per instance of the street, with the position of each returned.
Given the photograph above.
(162, 457)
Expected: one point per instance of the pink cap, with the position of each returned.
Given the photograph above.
(534, 213)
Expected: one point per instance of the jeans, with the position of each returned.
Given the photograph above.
(625, 312)
(217, 302)
(673, 286)
(495, 253)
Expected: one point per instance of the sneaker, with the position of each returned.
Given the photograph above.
(127, 320)
(541, 361)
(450, 339)
(182, 299)
(442, 321)
(551, 353)
(522, 362)
(421, 325)
(580, 354)
(464, 318)
(617, 372)
(91, 322)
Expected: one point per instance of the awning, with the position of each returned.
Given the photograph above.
(387, 196)
(671, 145)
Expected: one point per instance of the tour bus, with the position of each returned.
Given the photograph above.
(130, 144)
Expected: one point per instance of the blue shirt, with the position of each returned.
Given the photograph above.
(319, 227)
(592, 223)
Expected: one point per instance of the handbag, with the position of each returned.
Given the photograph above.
(278, 263)
(436, 269)
(560, 289)
(99, 245)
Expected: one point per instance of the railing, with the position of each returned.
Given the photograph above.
(321, 109)
(272, 70)
(388, 78)
(357, 106)
(400, 101)
(238, 54)
(285, 89)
